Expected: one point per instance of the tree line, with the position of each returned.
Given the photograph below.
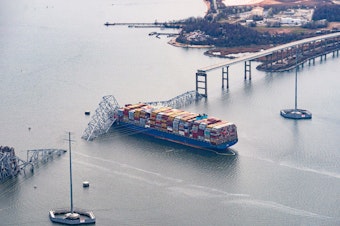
(230, 35)
(329, 12)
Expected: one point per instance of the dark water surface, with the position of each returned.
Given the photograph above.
(57, 60)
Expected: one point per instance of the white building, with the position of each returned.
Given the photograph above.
(292, 21)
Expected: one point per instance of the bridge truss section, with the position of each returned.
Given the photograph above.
(179, 101)
(9, 163)
(103, 118)
(42, 155)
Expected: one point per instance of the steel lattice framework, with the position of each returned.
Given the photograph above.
(179, 101)
(11, 165)
(42, 155)
(103, 118)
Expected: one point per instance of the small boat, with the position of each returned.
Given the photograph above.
(86, 184)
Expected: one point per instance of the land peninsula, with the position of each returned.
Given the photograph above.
(233, 29)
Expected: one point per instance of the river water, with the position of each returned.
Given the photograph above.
(57, 60)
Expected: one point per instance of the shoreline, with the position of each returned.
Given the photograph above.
(243, 2)
(225, 52)
(173, 41)
(229, 52)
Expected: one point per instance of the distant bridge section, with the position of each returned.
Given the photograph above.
(276, 57)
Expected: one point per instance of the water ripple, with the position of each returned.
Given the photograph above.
(276, 206)
(306, 169)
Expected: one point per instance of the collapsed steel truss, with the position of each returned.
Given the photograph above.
(179, 101)
(42, 155)
(104, 115)
(11, 165)
(103, 118)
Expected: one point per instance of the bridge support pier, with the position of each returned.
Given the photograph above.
(281, 57)
(225, 76)
(247, 69)
(311, 59)
(323, 56)
(201, 79)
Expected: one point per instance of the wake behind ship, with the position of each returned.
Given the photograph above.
(178, 126)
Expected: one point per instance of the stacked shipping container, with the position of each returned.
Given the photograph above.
(179, 122)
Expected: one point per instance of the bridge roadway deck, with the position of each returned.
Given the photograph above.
(267, 52)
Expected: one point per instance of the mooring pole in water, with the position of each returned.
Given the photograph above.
(71, 190)
(296, 71)
(296, 113)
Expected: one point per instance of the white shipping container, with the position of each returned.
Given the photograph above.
(131, 114)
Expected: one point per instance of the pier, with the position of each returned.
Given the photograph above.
(148, 25)
(279, 58)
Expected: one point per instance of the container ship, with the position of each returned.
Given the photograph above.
(179, 126)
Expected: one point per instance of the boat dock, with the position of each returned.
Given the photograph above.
(175, 25)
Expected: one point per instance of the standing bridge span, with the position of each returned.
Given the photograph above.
(278, 58)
